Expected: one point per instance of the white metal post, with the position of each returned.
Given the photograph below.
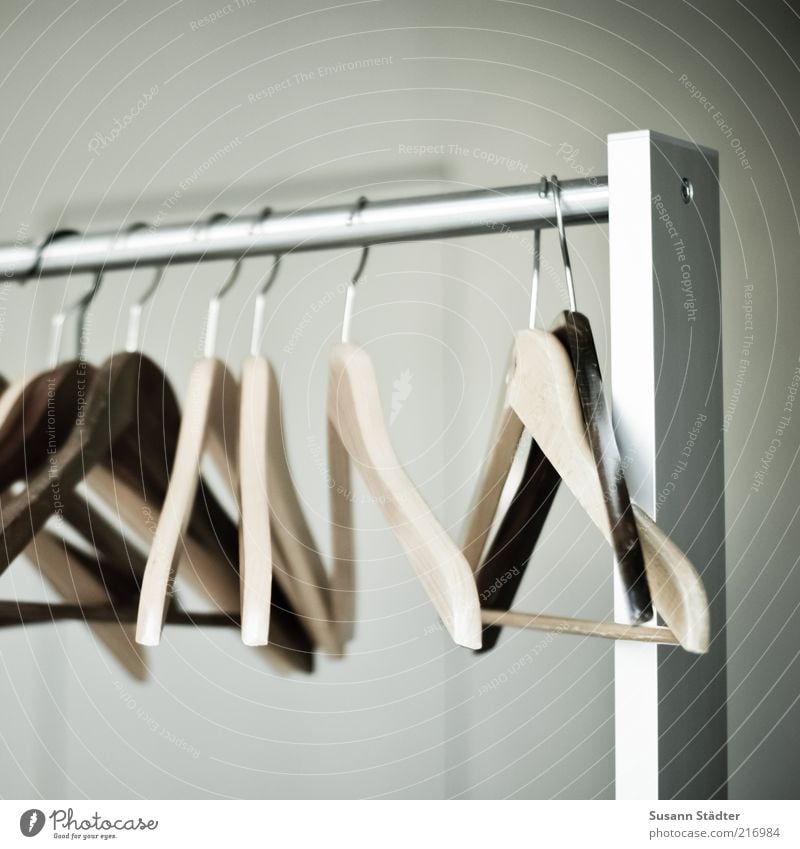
(666, 377)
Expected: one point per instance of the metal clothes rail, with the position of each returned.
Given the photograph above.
(429, 217)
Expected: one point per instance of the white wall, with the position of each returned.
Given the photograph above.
(403, 715)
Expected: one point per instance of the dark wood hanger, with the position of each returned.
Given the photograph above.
(510, 550)
(38, 424)
(81, 579)
(575, 333)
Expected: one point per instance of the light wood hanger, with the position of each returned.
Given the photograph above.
(212, 425)
(209, 423)
(357, 430)
(508, 435)
(267, 490)
(203, 565)
(208, 553)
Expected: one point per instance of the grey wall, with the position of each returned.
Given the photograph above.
(238, 115)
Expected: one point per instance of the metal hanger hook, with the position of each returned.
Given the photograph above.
(351, 289)
(537, 255)
(212, 320)
(562, 237)
(261, 298)
(82, 304)
(133, 333)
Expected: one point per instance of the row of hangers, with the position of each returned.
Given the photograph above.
(100, 471)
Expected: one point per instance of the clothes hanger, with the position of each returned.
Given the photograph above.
(508, 430)
(523, 517)
(543, 393)
(357, 430)
(522, 505)
(267, 490)
(209, 425)
(138, 482)
(209, 550)
(210, 417)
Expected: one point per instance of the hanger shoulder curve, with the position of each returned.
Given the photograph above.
(202, 390)
(542, 393)
(355, 411)
(574, 332)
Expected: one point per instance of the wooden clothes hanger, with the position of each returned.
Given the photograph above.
(267, 490)
(138, 497)
(209, 424)
(527, 511)
(545, 398)
(357, 430)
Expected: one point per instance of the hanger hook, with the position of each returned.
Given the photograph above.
(261, 298)
(562, 236)
(82, 304)
(537, 254)
(351, 289)
(133, 333)
(212, 320)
